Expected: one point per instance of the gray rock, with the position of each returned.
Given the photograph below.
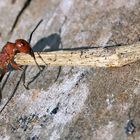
(79, 103)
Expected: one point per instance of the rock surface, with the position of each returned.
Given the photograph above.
(72, 103)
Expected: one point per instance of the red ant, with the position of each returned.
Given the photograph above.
(11, 49)
(8, 53)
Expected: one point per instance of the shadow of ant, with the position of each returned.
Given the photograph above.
(53, 41)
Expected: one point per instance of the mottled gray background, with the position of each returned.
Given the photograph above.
(71, 103)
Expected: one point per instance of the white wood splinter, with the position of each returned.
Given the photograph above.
(97, 57)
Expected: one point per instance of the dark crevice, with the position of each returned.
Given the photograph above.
(55, 110)
(26, 4)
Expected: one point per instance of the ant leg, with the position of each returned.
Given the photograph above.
(1, 77)
(33, 79)
(58, 74)
(23, 78)
(5, 81)
(32, 54)
(0, 93)
(42, 59)
(16, 66)
(31, 51)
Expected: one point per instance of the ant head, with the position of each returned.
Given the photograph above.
(22, 46)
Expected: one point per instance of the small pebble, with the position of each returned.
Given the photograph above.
(130, 127)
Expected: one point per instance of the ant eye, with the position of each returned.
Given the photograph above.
(21, 44)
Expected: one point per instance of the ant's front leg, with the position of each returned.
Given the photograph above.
(15, 66)
(23, 78)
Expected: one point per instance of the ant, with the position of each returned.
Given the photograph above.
(7, 58)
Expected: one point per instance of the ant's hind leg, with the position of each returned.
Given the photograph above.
(23, 78)
(0, 94)
(1, 77)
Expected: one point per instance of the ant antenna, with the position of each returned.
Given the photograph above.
(32, 54)
(29, 41)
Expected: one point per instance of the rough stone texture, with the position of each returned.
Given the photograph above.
(83, 103)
